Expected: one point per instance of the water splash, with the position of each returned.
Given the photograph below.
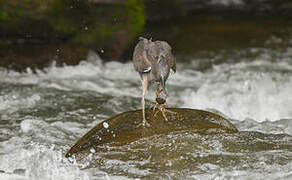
(42, 114)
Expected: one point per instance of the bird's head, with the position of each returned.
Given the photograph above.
(160, 100)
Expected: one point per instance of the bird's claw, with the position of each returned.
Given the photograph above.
(144, 124)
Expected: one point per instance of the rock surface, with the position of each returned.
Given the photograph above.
(124, 128)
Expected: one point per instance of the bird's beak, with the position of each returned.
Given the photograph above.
(162, 83)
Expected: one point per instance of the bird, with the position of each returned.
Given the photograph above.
(153, 60)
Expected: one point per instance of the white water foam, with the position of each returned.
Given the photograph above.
(259, 89)
(112, 78)
(35, 162)
(35, 148)
(14, 101)
(241, 92)
(227, 2)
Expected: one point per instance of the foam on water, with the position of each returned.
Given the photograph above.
(112, 78)
(259, 89)
(240, 92)
(46, 112)
(35, 162)
(275, 172)
(38, 153)
(14, 101)
(228, 2)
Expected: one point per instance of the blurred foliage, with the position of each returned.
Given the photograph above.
(165, 9)
(77, 21)
(3, 16)
(136, 15)
(35, 32)
(212, 32)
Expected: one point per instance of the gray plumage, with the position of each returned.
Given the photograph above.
(147, 53)
(153, 61)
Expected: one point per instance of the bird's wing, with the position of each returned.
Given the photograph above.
(171, 60)
(165, 48)
(141, 60)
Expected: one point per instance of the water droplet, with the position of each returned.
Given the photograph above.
(169, 163)
(92, 150)
(105, 125)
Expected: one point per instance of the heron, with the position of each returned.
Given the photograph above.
(153, 60)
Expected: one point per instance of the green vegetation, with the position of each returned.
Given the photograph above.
(3, 16)
(81, 22)
(136, 15)
(91, 24)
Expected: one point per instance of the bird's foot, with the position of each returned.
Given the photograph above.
(144, 124)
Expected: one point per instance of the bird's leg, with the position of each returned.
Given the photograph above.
(144, 88)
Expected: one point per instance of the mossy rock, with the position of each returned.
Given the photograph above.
(125, 128)
(110, 27)
(81, 21)
(90, 23)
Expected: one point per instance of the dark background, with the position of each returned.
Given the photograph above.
(35, 33)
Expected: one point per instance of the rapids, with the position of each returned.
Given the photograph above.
(42, 114)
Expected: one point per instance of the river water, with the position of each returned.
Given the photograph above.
(43, 114)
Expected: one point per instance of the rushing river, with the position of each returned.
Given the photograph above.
(43, 114)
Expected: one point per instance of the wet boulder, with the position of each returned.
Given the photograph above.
(126, 127)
